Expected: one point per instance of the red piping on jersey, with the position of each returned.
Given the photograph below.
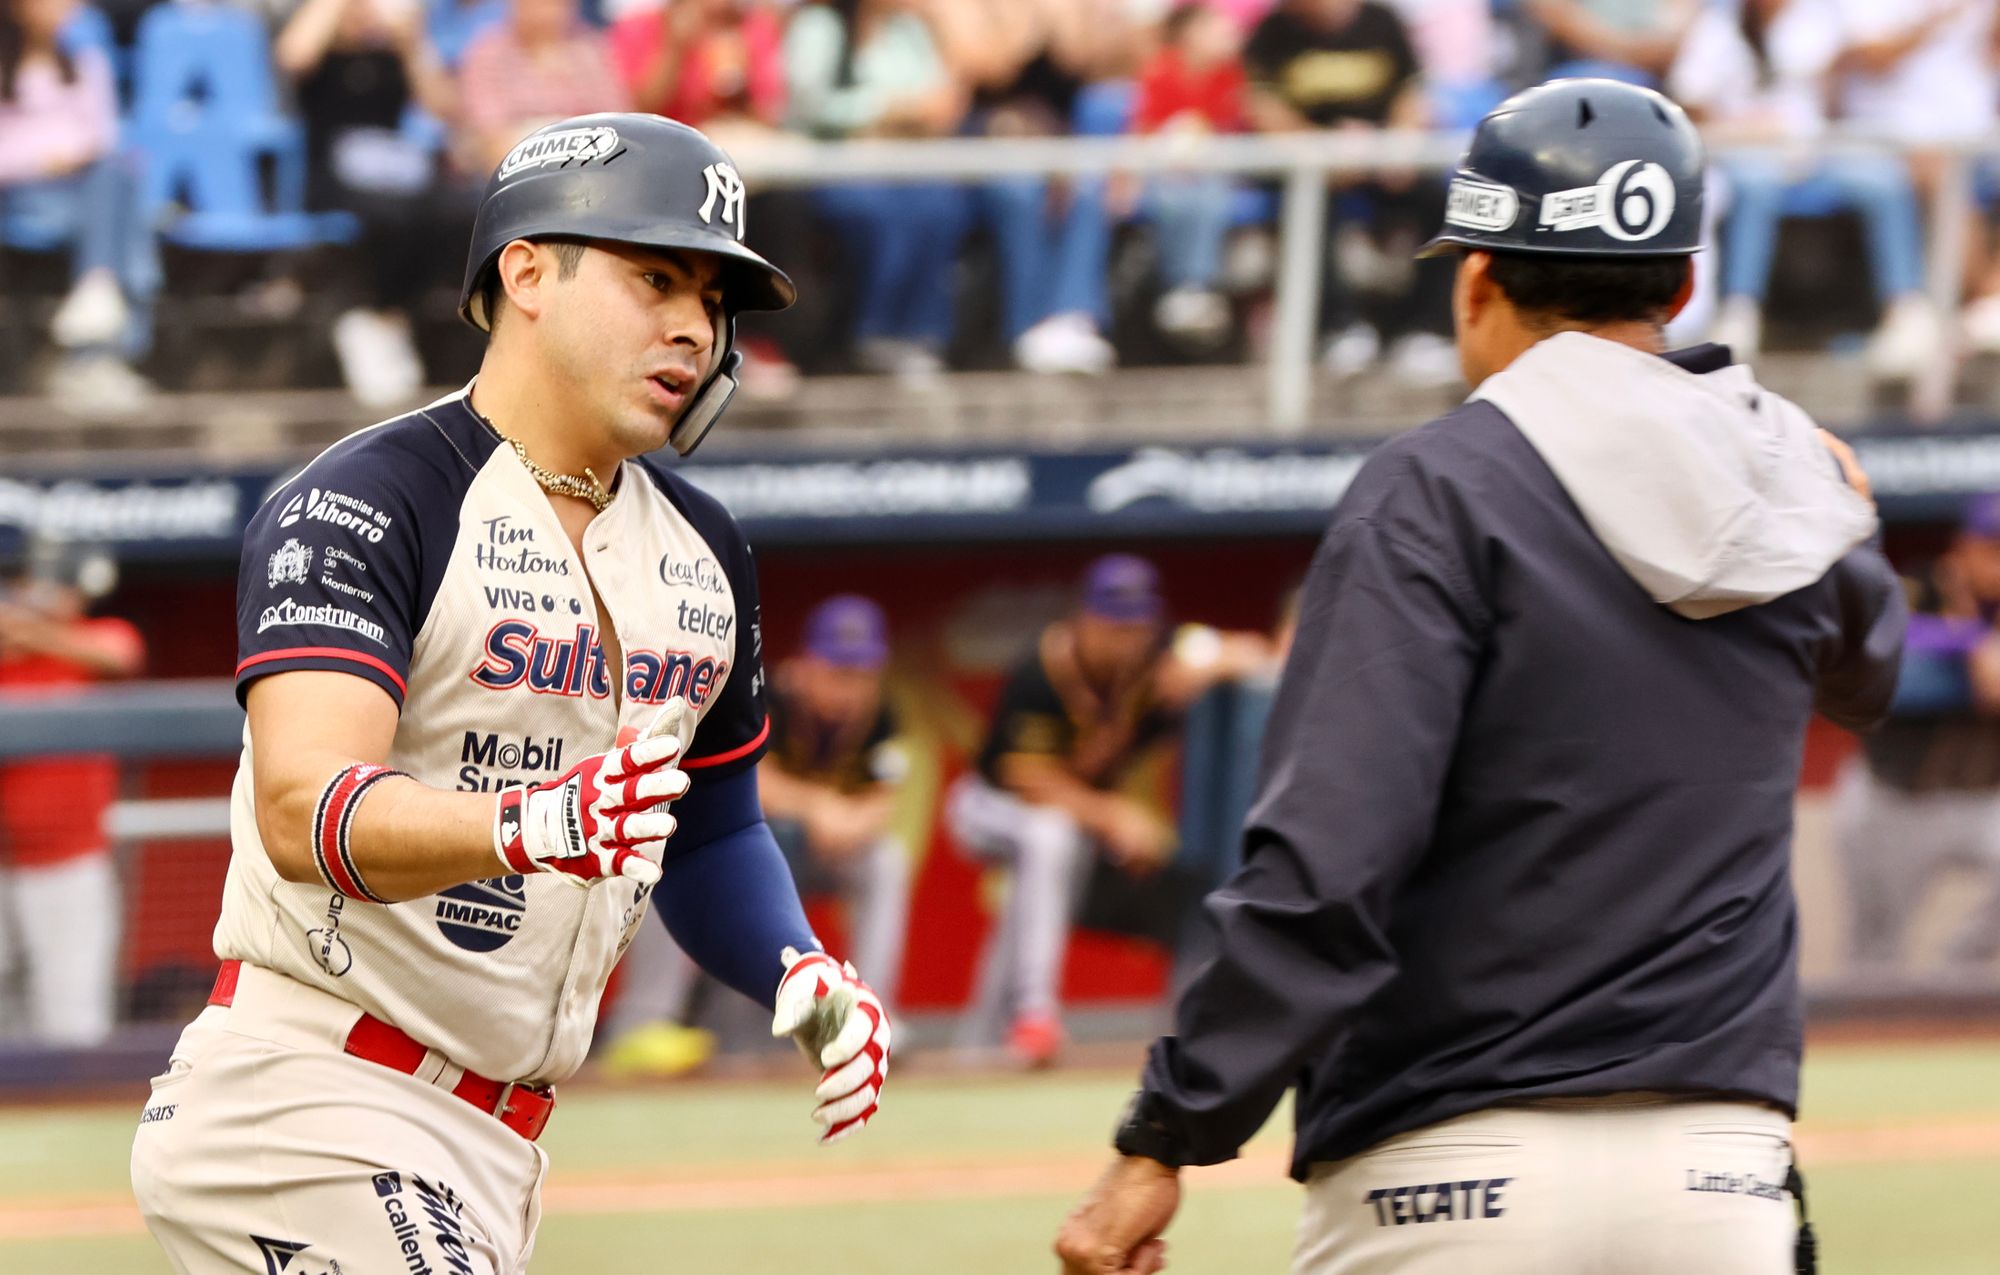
(336, 653)
(696, 763)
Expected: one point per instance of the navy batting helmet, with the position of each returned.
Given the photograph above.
(1579, 168)
(634, 179)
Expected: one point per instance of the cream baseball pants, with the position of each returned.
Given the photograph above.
(1627, 1185)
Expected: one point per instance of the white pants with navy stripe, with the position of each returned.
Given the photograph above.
(1627, 1185)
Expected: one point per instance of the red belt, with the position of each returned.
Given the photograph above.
(523, 1108)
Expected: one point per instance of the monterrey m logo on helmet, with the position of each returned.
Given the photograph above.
(727, 188)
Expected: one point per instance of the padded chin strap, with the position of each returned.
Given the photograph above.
(706, 407)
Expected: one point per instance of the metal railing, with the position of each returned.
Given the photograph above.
(1303, 165)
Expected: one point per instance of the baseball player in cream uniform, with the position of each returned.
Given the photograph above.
(504, 696)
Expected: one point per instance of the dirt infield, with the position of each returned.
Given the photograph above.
(783, 1184)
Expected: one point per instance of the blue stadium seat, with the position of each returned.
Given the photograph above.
(205, 113)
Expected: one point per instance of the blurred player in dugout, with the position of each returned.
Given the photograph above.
(1099, 689)
(59, 900)
(1928, 782)
(830, 786)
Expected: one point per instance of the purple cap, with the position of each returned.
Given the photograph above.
(1122, 587)
(849, 630)
(1982, 516)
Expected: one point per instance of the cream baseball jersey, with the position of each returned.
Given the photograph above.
(421, 556)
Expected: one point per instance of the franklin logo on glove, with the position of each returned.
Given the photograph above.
(606, 816)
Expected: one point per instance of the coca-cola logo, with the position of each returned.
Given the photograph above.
(702, 573)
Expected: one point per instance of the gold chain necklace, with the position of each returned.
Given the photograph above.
(584, 488)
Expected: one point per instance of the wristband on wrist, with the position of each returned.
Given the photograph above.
(333, 820)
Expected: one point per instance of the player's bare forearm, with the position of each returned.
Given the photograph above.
(406, 839)
(1045, 782)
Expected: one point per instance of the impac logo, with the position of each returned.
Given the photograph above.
(1632, 202)
(563, 147)
(483, 916)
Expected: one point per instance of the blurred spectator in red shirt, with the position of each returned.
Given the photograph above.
(541, 65)
(59, 900)
(700, 61)
(1192, 88)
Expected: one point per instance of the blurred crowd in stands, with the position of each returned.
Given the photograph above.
(365, 127)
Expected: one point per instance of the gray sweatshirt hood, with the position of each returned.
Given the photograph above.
(1710, 491)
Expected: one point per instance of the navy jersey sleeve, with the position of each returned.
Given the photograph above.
(332, 574)
(737, 729)
(1859, 671)
(1390, 632)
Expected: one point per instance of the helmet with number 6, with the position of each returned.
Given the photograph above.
(1579, 168)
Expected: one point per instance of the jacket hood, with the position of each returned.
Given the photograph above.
(1711, 492)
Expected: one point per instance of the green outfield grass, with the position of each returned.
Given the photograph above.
(1910, 1213)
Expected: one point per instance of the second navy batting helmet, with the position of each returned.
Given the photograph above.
(633, 179)
(1579, 168)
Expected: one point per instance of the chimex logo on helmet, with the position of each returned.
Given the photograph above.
(1632, 202)
(564, 146)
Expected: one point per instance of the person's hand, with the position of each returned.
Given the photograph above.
(1138, 840)
(840, 1026)
(606, 816)
(1115, 1229)
(24, 627)
(1850, 465)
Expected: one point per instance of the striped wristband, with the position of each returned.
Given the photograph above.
(332, 822)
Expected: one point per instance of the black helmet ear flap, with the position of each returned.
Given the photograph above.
(705, 408)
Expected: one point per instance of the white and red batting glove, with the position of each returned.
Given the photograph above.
(604, 817)
(841, 1027)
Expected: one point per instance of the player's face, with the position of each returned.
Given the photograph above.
(839, 692)
(635, 329)
(1114, 649)
(1979, 563)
